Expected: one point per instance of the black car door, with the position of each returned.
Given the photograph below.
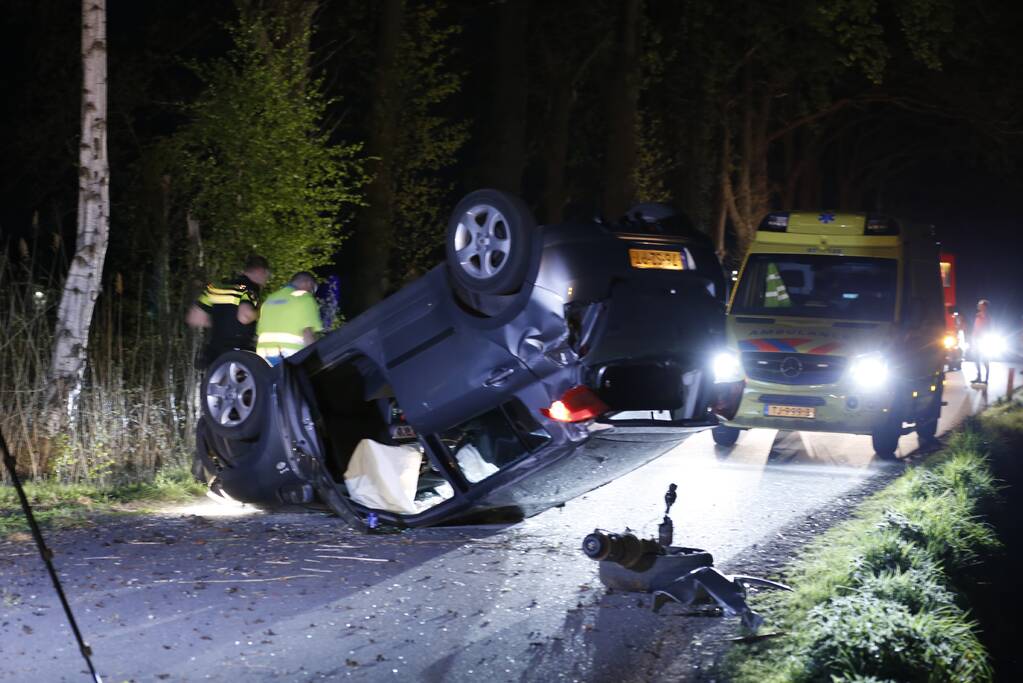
(444, 369)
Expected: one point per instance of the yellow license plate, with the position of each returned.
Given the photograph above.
(653, 258)
(790, 411)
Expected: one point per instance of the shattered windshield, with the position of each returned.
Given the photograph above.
(818, 286)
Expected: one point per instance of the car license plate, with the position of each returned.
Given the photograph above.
(402, 432)
(654, 258)
(790, 411)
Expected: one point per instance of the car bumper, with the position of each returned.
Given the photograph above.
(836, 408)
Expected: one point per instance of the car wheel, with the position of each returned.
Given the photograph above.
(724, 435)
(234, 394)
(489, 242)
(885, 438)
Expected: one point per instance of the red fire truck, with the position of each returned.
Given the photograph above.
(955, 338)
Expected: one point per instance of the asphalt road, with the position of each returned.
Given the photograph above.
(208, 593)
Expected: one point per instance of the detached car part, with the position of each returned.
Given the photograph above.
(671, 573)
(729, 592)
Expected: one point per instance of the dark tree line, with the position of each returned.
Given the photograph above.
(337, 134)
(728, 109)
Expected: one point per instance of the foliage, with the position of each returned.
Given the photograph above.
(874, 636)
(874, 598)
(859, 29)
(428, 140)
(653, 159)
(261, 174)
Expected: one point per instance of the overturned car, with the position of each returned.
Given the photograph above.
(537, 364)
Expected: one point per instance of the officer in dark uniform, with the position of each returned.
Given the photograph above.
(230, 310)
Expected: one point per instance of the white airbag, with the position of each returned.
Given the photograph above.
(474, 467)
(384, 477)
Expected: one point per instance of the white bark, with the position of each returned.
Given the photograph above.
(84, 277)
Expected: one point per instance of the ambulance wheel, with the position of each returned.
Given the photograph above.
(926, 429)
(886, 438)
(489, 241)
(725, 435)
(234, 394)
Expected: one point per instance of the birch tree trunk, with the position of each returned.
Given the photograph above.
(83, 280)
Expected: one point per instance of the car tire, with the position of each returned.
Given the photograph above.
(489, 242)
(885, 437)
(205, 460)
(234, 394)
(725, 435)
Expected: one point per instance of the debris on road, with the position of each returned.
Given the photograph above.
(672, 573)
(729, 592)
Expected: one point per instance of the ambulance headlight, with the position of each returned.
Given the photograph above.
(869, 371)
(993, 345)
(727, 368)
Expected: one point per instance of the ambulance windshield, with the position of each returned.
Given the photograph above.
(818, 286)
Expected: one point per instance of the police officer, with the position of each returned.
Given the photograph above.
(230, 310)
(289, 319)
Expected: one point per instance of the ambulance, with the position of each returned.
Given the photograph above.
(836, 324)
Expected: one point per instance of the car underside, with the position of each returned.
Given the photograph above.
(454, 400)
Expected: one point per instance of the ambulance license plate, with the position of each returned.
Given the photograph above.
(654, 258)
(791, 411)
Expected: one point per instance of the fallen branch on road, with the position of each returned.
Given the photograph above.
(275, 578)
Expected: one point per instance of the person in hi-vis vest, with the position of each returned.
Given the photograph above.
(288, 320)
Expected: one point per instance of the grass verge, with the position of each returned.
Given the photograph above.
(877, 597)
(63, 505)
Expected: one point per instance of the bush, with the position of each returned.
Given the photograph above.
(945, 526)
(962, 472)
(919, 589)
(885, 639)
(888, 551)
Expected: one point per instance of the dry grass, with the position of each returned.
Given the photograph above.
(137, 411)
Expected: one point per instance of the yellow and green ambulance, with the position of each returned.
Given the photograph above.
(836, 324)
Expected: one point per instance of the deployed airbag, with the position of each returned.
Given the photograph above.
(474, 467)
(384, 477)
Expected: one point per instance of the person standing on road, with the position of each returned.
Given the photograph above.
(229, 309)
(981, 326)
(289, 319)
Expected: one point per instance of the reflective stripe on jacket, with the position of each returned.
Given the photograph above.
(282, 319)
(221, 301)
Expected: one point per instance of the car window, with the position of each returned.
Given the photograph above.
(493, 440)
(818, 286)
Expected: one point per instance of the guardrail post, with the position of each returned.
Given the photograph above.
(1008, 385)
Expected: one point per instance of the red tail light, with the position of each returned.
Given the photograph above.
(577, 404)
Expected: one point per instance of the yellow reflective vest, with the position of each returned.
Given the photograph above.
(282, 318)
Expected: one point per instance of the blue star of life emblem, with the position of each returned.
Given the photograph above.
(826, 217)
